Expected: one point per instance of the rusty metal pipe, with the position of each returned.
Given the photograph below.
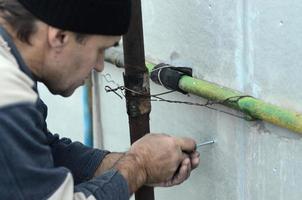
(136, 78)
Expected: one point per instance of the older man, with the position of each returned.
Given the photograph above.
(59, 43)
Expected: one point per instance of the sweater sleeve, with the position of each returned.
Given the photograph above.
(29, 170)
(81, 160)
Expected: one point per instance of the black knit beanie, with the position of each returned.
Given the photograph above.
(103, 17)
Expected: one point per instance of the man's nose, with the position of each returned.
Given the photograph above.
(99, 65)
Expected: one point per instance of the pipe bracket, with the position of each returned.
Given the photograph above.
(169, 76)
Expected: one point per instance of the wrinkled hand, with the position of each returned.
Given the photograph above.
(183, 173)
(158, 159)
(163, 158)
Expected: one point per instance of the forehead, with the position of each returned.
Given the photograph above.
(104, 41)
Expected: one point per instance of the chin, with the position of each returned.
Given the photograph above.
(63, 93)
(67, 93)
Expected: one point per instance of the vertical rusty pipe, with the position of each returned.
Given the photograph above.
(137, 79)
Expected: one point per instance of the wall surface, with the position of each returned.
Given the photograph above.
(65, 115)
(251, 46)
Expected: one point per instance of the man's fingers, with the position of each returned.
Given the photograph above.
(184, 156)
(183, 173)
(195, 163)
(186, 144)
(195, 159)
(189, 169)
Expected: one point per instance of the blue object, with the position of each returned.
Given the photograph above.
(88, 137)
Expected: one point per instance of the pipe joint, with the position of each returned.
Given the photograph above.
(137, 93)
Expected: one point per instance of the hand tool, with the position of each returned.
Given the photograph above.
(205, 143)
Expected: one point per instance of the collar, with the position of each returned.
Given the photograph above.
(13, 49)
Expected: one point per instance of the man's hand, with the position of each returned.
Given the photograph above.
(187, 165)
(158, 159)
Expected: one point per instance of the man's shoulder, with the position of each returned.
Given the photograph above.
(15, 86)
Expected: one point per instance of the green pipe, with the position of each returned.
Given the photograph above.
(251, 106)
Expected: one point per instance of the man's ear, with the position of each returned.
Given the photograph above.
(57, 38)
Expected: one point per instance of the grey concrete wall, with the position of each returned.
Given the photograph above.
(252, 46)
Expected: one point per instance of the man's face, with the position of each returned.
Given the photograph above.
(67, 67)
